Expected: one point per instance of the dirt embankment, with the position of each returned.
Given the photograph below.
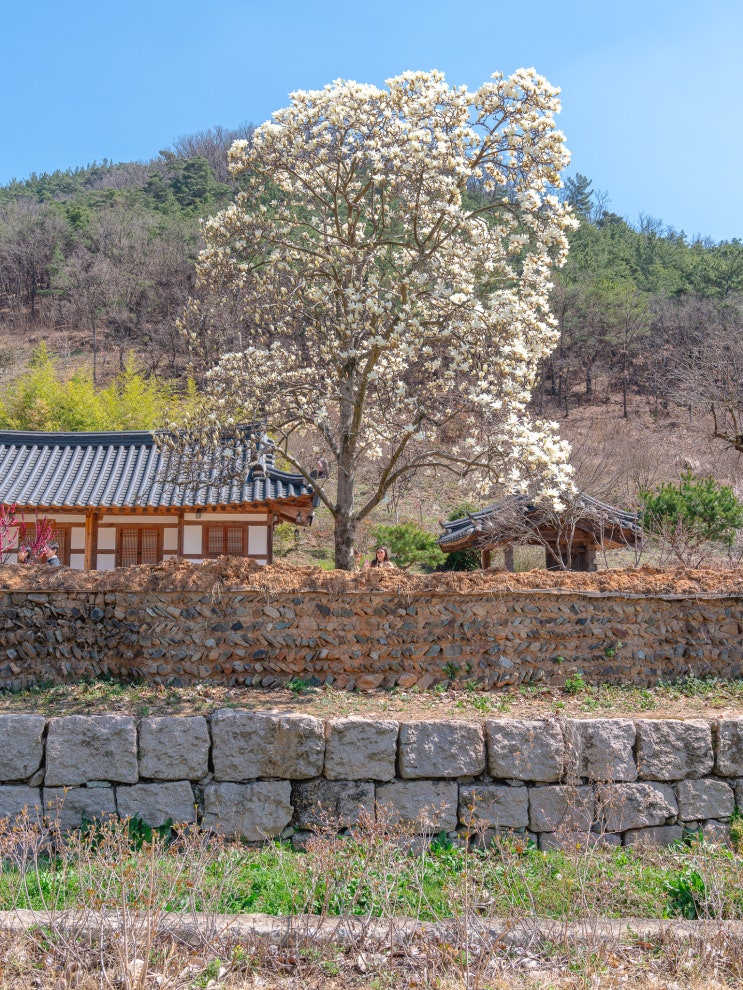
(229, 573)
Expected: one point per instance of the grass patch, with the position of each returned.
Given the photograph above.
(365, 871)
(129, 882)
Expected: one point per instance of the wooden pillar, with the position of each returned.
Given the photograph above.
(90, 558)
(485, 558)
(180, 533)
(508, 559)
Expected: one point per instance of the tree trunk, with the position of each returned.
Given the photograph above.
(345, 536)
(624, 391)
(345, 517)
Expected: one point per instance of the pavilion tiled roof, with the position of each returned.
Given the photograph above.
(125, 470)
(496, 520)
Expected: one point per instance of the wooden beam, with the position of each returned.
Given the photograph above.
(485, 558)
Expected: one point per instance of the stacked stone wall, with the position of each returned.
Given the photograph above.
(365, 639)
(263, 775)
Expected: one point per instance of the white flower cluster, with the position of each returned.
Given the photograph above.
(392, 251)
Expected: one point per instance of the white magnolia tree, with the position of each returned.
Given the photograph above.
(392, 256)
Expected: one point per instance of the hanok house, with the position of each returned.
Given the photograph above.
(111, 502)
(570, 537)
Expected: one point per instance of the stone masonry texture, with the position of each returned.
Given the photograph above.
(260, 775)
(365, 639)
(441, 749)
(81, 748)
(525, 749)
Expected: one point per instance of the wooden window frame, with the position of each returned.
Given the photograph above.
(224, 526)
(139, 527)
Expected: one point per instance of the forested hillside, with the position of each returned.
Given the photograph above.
(99, 261)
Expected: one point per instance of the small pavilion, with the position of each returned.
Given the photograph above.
(570, 538)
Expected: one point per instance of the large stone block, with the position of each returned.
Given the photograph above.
(17, 800)
(357, 749)
(565, 808)
(69, 807)
(247, 745)
(657, 835)
(441, 749)
(261, 810)
(173, 748)
(525, 749)
(80, 748)
(625, 806)
(336, 803)
(669, 749)
(730, 747)
(704, 799)
(494, 806)
(601, 749)
(430, 805)
(158, 803)
(21, 745)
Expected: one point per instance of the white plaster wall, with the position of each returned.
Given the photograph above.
(134, 520)
(170, 538)
(226, 517)
(77, 538)
(106, 561)
(192, 539)
(258, 539)
(107, 539)
(77, 561)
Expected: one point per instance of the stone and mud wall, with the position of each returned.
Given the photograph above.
(367, 638)
(264, 775)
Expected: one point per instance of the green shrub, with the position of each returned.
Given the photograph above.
(408, 545)
(689, 517)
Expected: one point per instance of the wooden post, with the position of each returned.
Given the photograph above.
(180, 533)
(91, 540)
(508, 559)
(485, 558)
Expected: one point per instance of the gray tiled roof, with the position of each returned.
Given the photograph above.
(107, 470)
(488, 521)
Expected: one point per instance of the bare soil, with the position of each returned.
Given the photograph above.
(233, 573)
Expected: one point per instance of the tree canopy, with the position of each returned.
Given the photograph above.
(393, 320)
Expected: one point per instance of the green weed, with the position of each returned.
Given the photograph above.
(575, 684)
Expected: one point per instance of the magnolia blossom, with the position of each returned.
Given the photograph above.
(392, 250)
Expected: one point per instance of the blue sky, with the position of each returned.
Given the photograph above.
(651, 90)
